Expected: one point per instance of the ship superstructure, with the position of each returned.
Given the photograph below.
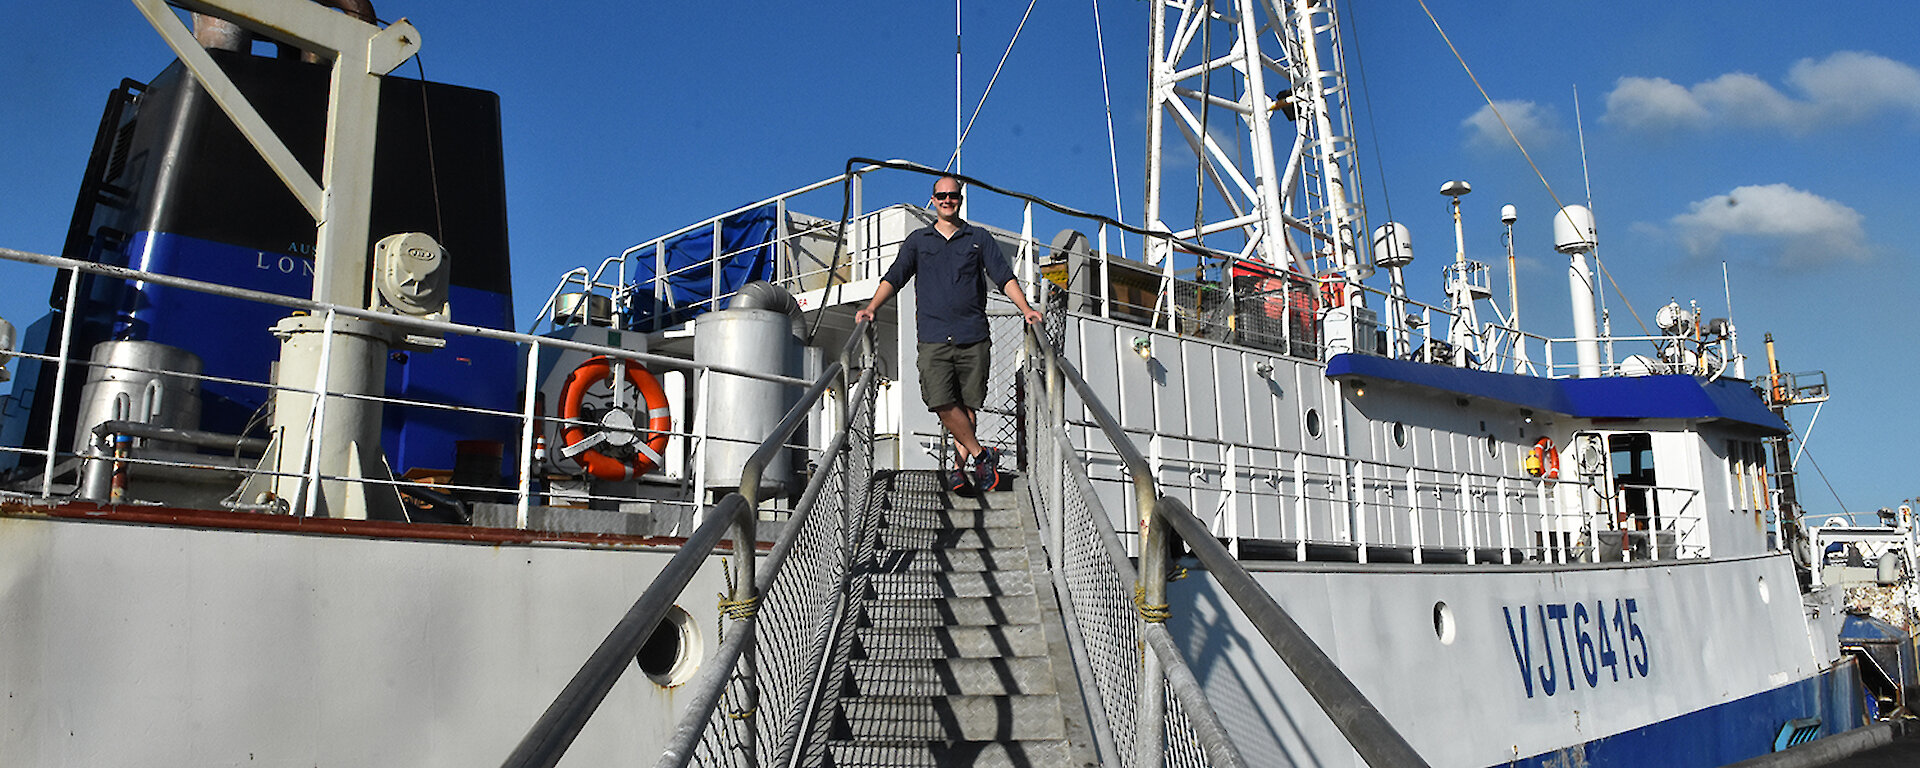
(1267, 513)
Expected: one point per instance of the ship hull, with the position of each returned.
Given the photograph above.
(1678, 664)
(196, 638)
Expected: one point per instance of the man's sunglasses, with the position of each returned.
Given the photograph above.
(946, 195)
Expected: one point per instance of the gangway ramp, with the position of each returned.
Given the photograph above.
(958, 659)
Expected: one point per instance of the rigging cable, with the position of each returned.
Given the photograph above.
(1113, 155)
(1823, 479)
(433, 170)
(1366, 94)
(990, 81)
(1523, 153)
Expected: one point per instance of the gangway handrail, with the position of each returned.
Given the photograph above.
(706, 690)
(1375, 738)
(547, 741)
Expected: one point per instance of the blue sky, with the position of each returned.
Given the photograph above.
(1773, 138)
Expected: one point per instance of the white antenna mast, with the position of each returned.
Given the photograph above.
(959, 110)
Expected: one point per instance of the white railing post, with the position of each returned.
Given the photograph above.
(1029, 254)
(1106, 301)
(528, 463)
(1506, 523)
(1414, 527)
(856, 236)
(60, 381)
(1300, 504)
(1466, 521)
(1231, 476)
(713, 265)
(659, 284)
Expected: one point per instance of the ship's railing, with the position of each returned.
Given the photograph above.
(1264, 498)
(761, 695)
(830, 261)
(523, 497)
(1217, 294)
(1108, 622)
(1653, 522)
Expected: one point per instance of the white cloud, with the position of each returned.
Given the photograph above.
(1797, 226)
(1533, 124)
(1654, 102)
(1853, 85)
(1845, 87)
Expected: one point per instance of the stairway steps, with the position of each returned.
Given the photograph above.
(950, 560)
(901, 586)
(950, 663)
(953, 611)
(957, 538)
(950, 718)
(950, 642)
(963, 676)
(987, 754)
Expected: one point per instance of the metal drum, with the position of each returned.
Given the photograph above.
(741, 412)
(139, 381)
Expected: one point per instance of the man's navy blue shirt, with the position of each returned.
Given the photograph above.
(952, 297)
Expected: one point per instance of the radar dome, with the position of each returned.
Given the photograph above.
(1573, 230)
(1392, 245)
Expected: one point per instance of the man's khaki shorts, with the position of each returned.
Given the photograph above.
(953, 374)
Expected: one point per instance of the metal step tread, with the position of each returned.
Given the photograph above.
(954, 538)
(950, 718)
(951, 611)
(987, 754)
(950, 560)
(902, 586)
(942, 677)
(949, 518)
(950, 642)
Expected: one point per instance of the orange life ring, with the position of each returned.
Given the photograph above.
(1542, 460)
(648, 451)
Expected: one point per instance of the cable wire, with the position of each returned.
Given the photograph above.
(1113, 154)
(990, 81)
(1523, 153)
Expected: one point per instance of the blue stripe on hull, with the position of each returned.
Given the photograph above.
(1726, 733)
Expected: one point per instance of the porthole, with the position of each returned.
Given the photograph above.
(1399, 434)
(1313, 423)
(672, 652)
(1443, 623)
(1493, 446)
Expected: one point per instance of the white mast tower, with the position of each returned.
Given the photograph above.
(1281, 71)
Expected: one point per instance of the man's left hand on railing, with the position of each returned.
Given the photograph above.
(1032, 316)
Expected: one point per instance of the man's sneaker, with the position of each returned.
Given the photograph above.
(986, 469)
(958, 480)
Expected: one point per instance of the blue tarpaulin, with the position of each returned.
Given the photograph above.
(747, 253)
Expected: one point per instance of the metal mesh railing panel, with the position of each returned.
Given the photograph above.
(1099, 582)
(1000, 418)
(794, 630)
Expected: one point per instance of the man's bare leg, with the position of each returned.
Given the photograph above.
(959, 420)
